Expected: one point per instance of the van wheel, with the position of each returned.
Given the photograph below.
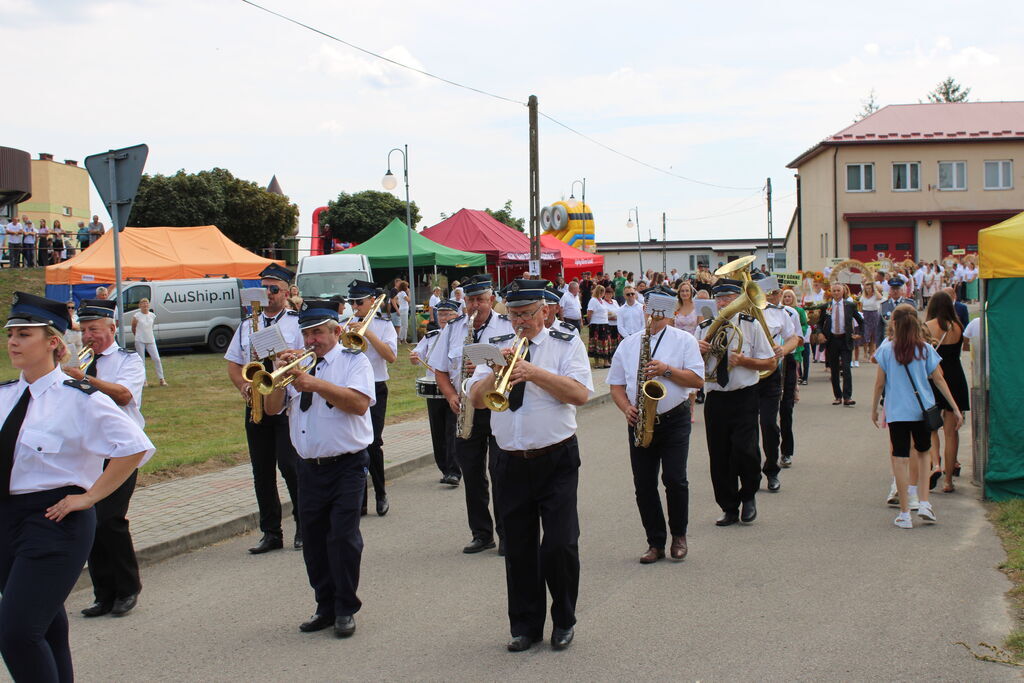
(219, 339)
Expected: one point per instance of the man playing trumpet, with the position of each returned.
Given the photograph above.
(673, 361)
(329, 413)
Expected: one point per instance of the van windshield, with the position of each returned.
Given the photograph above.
(326, 285)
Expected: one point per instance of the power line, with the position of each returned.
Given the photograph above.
(480, 91)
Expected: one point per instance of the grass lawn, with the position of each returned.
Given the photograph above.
(1008, 518)
(196, 422)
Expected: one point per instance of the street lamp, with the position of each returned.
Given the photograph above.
(390, 182)
(583, 201)
(635, 211)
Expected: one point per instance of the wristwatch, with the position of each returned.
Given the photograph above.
(667, 373)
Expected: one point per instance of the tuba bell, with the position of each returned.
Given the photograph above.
(739, 269)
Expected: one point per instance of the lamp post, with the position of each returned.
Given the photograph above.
(635, 211)
(583, 201)
(390, 182)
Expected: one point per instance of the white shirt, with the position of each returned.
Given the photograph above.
(816, 296)
(323, 431)
(598, 311)
(66, 435)
(542, 420)
(403, 301)
(14, 233)
(755, 345)
(780, 323)
(239, 351)
(675, 347)
(434, 300)
(973, 328)
(446, 355)
(383, 328)
(126, 368)
(423, 348)
(870, 303)
(631, 318)
(919, 277)
(570, 304)
(612, 307)
(144, 324)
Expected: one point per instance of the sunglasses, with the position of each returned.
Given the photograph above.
(630, 293)
(273, 289)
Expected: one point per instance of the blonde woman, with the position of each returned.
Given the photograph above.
(600, 333)
(144, 330)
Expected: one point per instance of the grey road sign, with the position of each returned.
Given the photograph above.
(116, 175)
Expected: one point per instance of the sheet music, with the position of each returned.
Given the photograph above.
(268, 341)
(480, 354)
(251, 294)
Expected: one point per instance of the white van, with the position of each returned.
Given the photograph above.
(195, 312)
(329, 275)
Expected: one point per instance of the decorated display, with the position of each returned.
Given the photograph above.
(571, 222)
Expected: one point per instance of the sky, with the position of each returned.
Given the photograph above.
(723, 94)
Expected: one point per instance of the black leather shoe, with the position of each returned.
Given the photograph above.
(297, 543)
(317, 622)
(383, 506)
(344, 626)
(773, 483)
(521, 643)
(561, 638)
(452, 480)
(97, 609)
(123, 606)
(267, 543)
(478, 545)
(727, 519)
(748, 511)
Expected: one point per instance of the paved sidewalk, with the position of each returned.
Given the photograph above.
(177, 516)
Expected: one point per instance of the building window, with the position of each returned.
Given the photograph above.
(779, 261)
(66, 210)
(952, 175)
(906, 176)
(860, 177)
(999, 175)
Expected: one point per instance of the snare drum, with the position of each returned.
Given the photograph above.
(427, 388)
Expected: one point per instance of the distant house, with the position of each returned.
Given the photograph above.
(684, 255)
(912, 180)
(60, 191)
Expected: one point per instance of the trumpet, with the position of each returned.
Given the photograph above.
(497, 400)
(356, 339)
(267, 382)
(85, 357)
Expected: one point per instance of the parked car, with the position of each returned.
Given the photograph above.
(330, 274)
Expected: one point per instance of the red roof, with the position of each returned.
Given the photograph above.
(931, 122)
(477, 231)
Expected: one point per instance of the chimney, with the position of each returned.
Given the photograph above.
(43, 156)
(71, 162)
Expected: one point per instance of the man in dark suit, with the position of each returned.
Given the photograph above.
(838, 326)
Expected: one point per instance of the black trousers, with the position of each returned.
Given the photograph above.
(112, 565)
(805, 369)
(839, 355)
(769, 396)
(539, 495)
(376, 449)
(442, 435)
(476, 456)
(40, 561)
(787, 404)
(730, 420)
(28, 254)
(668, 452)
(331, 497)
(270, 447)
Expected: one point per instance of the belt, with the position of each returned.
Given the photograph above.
(532, 453)
(679, 409)
(329, 459)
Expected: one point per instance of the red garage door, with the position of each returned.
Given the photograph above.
(962, 235)
(867, 241)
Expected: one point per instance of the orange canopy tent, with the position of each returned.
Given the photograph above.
(155, 254)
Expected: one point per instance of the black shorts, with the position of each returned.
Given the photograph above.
(900, 433)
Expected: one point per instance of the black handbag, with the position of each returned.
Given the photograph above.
(933, 415)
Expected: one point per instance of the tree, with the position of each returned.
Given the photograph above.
(869, 107)
(504, 214)
(949, 91)
(243, 210)
(358, 217)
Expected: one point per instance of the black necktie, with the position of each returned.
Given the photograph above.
(515, 396)
(91, 370)
(9, 439)
(722, 371)
(307, 396)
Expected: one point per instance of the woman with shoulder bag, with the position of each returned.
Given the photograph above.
(945, 327)
(905, 363)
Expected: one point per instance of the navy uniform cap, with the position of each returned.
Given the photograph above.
(896, 282)
(276, 272)
(97, 309)
(551, 296)
(524, 292)
(316, 312)
(448, 305)
(726, 286)
(360, 289)
(664, 290)
(30, 310)
(477, 284)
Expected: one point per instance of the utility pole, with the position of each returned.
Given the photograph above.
(799, 227)
(664, 247)
(534, 189)
(771, 249)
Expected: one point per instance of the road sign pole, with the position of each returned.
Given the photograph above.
(111, 164)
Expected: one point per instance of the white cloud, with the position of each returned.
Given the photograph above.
(347, 64)
(973, 56)
(872, 49)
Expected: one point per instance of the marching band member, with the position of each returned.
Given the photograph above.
(472, 454)
(731, 409)
(785, 337)
(329, 413)
(269, 442)
(539, 460)
(674, 360)
(121, 375)
(439, 415)
(789, 380)
(51, 476)
(381, 349)
(552, 309)
(886, 308)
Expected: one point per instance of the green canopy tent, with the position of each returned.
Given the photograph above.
(389, 248)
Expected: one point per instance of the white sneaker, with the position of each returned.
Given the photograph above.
(894, 497)
(903, 521)
(924, 511)
(855, 364)
(914, 502)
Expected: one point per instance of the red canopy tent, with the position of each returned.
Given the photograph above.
(575, 261)
(507, 249)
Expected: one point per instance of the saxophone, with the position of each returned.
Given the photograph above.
(464, 422)
(648, 392)
(250, 369)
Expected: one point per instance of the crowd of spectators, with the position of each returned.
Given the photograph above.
(25, 244)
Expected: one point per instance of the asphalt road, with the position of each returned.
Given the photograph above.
(822, 586)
